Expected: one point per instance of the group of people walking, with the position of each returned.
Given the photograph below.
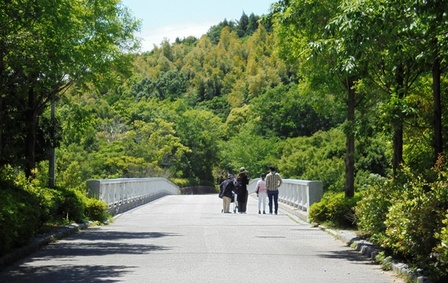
(266, 187)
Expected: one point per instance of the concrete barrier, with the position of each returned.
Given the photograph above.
(126, 193)
(298, 194)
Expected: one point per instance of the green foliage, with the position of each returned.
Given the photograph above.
(180, 182)
(46, 48)
(407, 216)
(191, 110)
(441, 252)
(169, 85)
(20, 216)
(415, 216)
(335, 209)
(95, 210)
(26, 208)
(200, 131)
(372, 155)
(319, 157)
(255, 153)
(372, 208)
(71, 206)
(290, 114)
(246, 26)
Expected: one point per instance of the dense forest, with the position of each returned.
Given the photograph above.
(352, 93)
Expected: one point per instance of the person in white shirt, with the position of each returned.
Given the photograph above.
(262, 193)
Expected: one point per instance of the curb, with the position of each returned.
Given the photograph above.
(369, 250)
(38, 242)
(366, 248)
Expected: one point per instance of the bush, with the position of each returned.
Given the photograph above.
(372, 208)
(96, 210)
(26, 208)
(415, 217)
(71, 205)
(441, 252)
(335, 209)
(19, 217)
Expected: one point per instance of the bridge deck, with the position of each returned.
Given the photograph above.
(187, 239)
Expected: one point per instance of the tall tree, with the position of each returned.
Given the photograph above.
(45, 47)
(432, 16)
(302, 27)
(384, 31)
(200, 132)
(243, 25)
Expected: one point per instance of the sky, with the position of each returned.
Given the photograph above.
(169, 19)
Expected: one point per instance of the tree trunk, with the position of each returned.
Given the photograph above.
(52, 158)
(31, 120)
(350, 142)
(398, 147)
(437, 119)
(398, 125)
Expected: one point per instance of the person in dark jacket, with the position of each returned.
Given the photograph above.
(226, 191)
(243, 181)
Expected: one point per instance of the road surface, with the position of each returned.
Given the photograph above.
(187, 239)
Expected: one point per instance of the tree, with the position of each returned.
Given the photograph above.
(214, 32)
(243, 24)
(252, 26)
(303, 35)
(48, 45)
(199, 131)
(386, 31)
(432, 16)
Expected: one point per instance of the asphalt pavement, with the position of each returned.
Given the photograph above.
(186, 238)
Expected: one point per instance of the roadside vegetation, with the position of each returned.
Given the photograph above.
(352, 93)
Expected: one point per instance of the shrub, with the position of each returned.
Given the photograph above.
(415, 217)
(372, 208)
(180, 182)
(441, 252)
(96, 210)
(19, 217)
(71, 206)
(25, 206)
(335, 209)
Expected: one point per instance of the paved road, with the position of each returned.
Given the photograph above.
(187, 239)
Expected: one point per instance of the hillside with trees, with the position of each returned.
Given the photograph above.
(351, 93)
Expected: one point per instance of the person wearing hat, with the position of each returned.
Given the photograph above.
(242, 194)
(262, 193)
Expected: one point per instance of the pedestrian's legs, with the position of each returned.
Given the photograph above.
(242, 203)
(245, 201)
(226, 204)
(270, 196)
(275, 195)
(263, 200)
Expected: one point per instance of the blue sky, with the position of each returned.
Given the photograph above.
(168, 19)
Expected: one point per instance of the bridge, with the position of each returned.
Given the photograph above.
(185, 238)
(126, 193)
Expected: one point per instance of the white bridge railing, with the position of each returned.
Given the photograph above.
(299, 194)
(126, 193)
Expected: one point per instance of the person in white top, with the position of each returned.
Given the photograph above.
(262, 193)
